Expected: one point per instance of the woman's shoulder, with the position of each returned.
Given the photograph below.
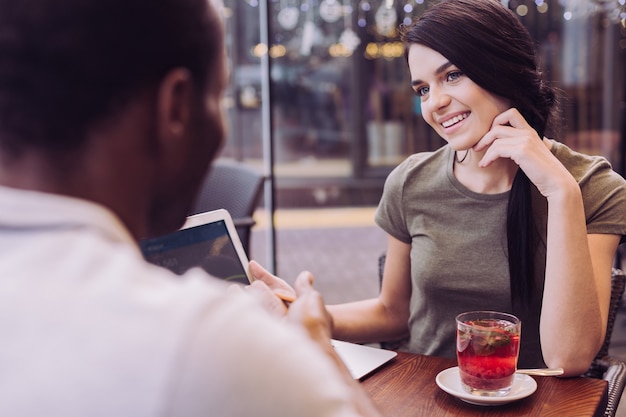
(579, 164)
(594, 173)
(603, 189)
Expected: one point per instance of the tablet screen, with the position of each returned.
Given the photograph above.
(208, 246)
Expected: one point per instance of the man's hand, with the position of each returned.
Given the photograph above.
(282, 290)
(309, 310)
(303, 305)
(306, 309)
(265, 296)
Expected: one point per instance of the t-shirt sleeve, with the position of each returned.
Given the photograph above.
(240, 361)
(604, 197)
(390, 214)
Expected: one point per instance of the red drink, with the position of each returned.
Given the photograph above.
(487, 351)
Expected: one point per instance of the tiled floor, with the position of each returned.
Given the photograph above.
(341, 248)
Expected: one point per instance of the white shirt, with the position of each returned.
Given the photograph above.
(90, 329)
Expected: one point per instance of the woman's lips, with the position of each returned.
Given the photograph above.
(454, 120)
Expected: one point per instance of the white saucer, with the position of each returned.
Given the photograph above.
(449, 380)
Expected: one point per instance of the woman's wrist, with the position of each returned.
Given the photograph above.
(566, 192)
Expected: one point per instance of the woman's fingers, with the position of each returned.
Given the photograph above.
(510, 136)
(510, 145)
(508, 124)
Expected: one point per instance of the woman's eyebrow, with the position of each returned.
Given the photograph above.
(438, 71)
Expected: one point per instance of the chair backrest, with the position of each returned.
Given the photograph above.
(233, 186)
(618, 282)
(604, 366)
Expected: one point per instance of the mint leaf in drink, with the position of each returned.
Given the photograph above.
(486, 341)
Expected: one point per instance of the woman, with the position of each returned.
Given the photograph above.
(500, 218)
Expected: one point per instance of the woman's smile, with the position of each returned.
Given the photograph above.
(457, 108)
(454, 120)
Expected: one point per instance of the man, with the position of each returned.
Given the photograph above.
(109, 116)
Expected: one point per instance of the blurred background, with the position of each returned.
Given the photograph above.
(320, 100)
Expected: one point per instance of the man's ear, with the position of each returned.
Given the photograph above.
(174, 110)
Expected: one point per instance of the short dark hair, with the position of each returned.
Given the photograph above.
(491, 46)
(65, 64)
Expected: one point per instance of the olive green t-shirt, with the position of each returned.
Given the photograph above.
(458, 240)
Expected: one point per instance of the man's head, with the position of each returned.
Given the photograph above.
(71, 71)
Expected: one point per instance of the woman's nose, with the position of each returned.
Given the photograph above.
(437, 99)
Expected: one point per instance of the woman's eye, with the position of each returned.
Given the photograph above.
(421, 91)
(454, 75)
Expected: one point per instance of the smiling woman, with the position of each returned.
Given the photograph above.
(515, 222)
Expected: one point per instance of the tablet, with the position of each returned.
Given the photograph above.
(206, 240)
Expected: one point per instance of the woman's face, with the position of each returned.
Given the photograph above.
(458, 109)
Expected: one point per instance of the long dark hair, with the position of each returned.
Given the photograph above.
(491, 46)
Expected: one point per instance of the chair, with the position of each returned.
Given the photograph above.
(233, 186)
(603, 366)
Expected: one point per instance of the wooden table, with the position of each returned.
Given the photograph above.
(406, 387)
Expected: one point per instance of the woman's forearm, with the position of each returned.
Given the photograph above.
(573, 315)
(366, 321)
